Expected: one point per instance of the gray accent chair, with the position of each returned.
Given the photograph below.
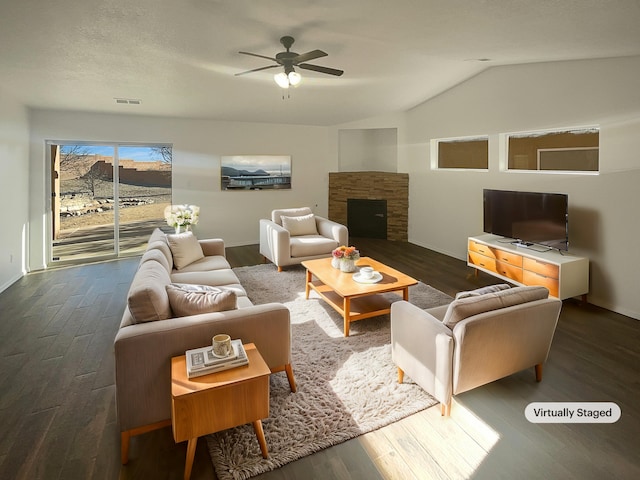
(476, 339)
(284, 248)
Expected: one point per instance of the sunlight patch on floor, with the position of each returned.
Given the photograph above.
(428, 445)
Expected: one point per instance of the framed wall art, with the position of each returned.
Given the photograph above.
(255, 172)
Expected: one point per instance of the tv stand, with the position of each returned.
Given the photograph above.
(565, 275)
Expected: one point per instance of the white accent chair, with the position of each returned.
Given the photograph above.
(294, 235)
(478, 338)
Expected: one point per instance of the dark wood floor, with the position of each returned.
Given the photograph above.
(58, 418)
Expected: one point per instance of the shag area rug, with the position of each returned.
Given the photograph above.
(346, 386)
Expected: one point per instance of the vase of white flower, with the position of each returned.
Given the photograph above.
(183, 228)
(181, 217)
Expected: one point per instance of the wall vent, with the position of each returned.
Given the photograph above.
(129, 101)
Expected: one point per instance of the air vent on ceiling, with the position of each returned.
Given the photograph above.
(129, 101)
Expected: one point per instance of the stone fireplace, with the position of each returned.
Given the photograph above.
(388, 186)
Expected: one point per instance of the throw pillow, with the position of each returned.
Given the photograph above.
(195, 299)
(185, 249)
(482, 291)
(302, 225)
(463, 308)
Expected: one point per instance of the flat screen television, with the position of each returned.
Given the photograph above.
(528, 217)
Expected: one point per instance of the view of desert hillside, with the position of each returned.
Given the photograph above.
(86, 191)
(81, 164)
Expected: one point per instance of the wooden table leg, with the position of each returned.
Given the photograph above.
(191, 451)
(306, 287)
(346, 304)
(257, 427)
(405, 294)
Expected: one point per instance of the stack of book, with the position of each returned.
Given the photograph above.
(202, 361)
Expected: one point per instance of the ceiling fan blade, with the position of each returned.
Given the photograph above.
(259, 56)
(256, 70)
(305, 57)
(318, 68)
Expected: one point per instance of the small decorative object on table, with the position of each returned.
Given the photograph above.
(202, 361)
(345, 258)
(181, 217)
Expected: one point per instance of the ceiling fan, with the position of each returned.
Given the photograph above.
(289, 60)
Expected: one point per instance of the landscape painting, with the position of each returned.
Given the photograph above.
(255, 172)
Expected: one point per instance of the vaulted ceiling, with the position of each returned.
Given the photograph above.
(179, 58)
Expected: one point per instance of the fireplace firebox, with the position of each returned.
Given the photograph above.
(367, 218)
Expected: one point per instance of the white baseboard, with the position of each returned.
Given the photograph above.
(11, 281)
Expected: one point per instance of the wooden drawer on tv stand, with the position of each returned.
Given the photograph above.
(543, 268)
(496, 253)
(532, 278)
(482, 249)
(508, 270)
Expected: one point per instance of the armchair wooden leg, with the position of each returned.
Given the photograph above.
(400, 375)
(538, 368)
(445, 409)
(279, 269)
(292, 381)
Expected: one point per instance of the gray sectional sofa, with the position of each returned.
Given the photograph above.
(151, 333)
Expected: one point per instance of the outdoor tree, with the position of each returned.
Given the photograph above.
(79, 163)
(164, 152)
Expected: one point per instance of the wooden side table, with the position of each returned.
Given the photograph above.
(218, 401)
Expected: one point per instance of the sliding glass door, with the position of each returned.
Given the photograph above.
(106, 198)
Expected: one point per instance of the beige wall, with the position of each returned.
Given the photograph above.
(197, 147)
(14, 189)
(446, 206)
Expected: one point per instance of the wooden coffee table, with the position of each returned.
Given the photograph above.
(218, 401)
(353, 300)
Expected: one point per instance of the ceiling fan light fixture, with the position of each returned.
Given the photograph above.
(281, 79)
(294, 78)
(287, 80)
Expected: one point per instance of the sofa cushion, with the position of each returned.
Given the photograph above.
(207, 264)
(195, 299)
(184, 248)
(276, 215)
(244, 302)
(156, 255)
(300, 225)
(162, 246)
(158, 235)
(214, 278)
(481, 291)
(309, 245)
(467, 307)
(147, 299)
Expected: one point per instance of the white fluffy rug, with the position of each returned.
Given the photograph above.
(346, 386)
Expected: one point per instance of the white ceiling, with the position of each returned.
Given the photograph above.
(179, 57)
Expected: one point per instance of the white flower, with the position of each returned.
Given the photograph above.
(181, 215)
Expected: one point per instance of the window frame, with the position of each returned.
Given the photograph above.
(505, 150)
(435, 152)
